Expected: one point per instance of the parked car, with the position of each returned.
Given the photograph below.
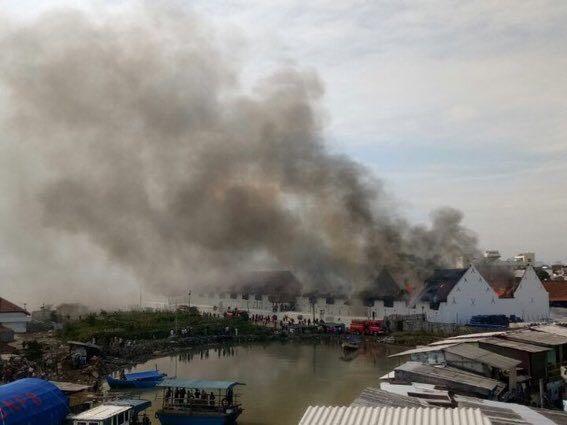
(334, 328)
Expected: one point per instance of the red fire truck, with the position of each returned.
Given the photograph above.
(367, 327)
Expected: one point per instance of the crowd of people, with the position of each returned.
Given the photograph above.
(286, 322)
(187, 397)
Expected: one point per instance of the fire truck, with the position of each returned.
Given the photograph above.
(367, 327)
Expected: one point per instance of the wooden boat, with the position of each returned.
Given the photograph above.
(199, 402)
(351, 344)
(119, 412)
(145, 379)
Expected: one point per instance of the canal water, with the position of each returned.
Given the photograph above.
(282, 379)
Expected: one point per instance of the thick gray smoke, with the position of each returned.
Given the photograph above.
(135, 139)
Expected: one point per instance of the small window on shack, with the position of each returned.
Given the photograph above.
(107, 421)
(120, 418)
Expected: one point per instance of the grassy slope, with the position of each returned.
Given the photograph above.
(151, 325)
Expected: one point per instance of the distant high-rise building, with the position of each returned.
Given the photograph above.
(491, 254)
(525, 258)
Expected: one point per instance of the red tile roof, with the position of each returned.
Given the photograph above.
(557, 290)
(8, 307)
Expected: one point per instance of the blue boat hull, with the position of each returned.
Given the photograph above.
(122, 383)
(167, 418)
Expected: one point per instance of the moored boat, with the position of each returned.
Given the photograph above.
(351, 344)
(199, 402)
(117, 412)
(145, 379)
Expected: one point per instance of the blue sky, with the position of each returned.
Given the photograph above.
(460, 103)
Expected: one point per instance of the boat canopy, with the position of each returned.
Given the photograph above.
(32, 401)
(200, 384)
(149, 374)
(137, 404)
(102, 413)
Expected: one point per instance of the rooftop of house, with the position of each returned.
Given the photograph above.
(503, 280)
(383, 287)
(9, 307)
(557, 290)
(281, 284)
(439, 285)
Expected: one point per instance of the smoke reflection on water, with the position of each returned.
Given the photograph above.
(282, 379)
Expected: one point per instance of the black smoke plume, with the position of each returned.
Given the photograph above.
(134, 137)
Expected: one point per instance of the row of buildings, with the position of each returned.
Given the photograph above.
(448, 296)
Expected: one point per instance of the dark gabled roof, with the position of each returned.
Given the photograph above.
(280, 285)
(9, 307)
(439, 285)
(503, 280)
(383, 287)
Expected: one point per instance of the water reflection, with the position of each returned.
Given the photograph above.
(223, 351)
(282, 379)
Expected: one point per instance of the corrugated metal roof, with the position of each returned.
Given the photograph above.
(453, 341)
(375, 397)
(359, 415)
(498, 413)
(424, 349)
(535, 337)
(448, 374)
(472, 352)
(520, 346)
(501, 413)
(552, 329)
(478, 335)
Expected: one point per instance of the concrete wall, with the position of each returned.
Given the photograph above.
(15, 321)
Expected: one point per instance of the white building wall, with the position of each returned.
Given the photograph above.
(15, 321)
(471, 296)
(532, 298)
